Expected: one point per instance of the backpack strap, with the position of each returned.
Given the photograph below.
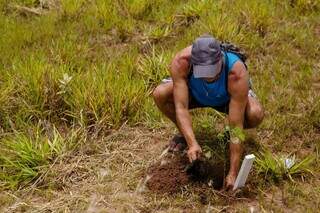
(229, 47)
(225, 66)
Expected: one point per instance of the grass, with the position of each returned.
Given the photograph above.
(86, 69)
(277, 168)
(26, 157)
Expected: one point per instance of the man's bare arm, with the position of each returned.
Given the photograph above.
(238, 90)
(179, 72)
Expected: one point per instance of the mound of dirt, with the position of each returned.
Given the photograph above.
(169, 175)
(175, 172)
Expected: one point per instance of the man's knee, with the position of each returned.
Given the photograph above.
(256, 115)
(160, 94)
(157, 93)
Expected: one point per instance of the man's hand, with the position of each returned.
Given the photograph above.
(194, 152)
(229, 182)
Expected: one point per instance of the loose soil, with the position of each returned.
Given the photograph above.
(169, 175)
(174, 172)
(212, 172)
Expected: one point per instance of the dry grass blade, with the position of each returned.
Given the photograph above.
(27, 10)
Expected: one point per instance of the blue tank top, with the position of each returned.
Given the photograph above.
(215, 93)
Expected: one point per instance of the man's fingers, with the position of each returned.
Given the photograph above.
(192, 156)
(229, 187)
(195, 156)
(199, 154)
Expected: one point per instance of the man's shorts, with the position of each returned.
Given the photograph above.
(193, 103)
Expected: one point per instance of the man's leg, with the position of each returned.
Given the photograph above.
(254, 113)
(163, 97)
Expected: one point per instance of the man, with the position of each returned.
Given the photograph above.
(202, 75)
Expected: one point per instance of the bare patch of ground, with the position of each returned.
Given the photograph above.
(172, 174)
(108, 175)
(168, 175)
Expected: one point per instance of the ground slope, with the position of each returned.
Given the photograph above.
(108, 175)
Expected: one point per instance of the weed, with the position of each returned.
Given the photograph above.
(305, 6)
(153, 68)
(72, 7)
(158, 33)
(277, 168)
(25, 157)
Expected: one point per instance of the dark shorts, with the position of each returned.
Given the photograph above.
(193, 103)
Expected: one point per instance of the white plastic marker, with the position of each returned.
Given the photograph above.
(244, 171)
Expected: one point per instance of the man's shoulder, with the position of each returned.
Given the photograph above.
(181, 63)
(232, 59)
(184, 54)
(238, 68)
(237, 73)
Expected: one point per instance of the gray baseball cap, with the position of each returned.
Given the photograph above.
(206, 57)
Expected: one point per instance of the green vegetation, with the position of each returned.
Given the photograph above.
(25, 158)
(75, 71)
(277, 168)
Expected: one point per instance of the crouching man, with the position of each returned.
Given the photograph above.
(203, 75)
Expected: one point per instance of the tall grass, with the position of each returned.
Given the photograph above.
(25, 157)
(112, 97)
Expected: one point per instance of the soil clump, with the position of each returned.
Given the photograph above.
(175, 172)
(169, 175)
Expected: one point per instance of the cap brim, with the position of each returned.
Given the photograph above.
(206, 71)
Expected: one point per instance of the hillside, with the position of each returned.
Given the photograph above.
(79, 130)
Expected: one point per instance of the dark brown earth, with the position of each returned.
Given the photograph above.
(170, 177)
(175, 172)
(205, 171)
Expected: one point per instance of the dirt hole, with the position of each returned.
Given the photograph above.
(175, 172)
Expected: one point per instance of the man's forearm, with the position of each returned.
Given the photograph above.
(236, 149)
(236, 118)
(185, 125)
(235, 157)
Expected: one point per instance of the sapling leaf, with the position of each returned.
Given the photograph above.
(302, 166)
(239, 133)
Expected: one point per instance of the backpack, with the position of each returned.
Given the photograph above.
(232, 48)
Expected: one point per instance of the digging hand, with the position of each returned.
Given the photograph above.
(194, 152)
(229, 182)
